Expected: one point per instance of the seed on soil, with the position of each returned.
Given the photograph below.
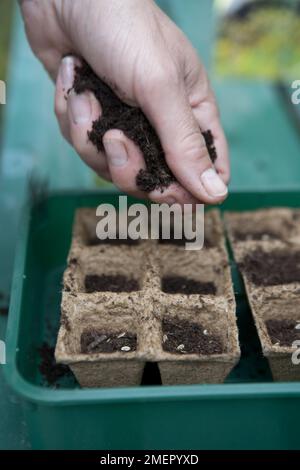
(97, 341)
(297, 327)
(187, 286)
(165, 338)
(103, 283)
(180, 347)
(205, 332)
(116, 341)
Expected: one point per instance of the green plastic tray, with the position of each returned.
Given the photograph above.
(249, 411)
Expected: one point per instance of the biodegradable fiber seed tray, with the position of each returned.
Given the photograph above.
(127, 303)
(268, 410)
(266, 245)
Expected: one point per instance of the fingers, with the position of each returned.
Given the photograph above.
(207, 116)
(64, 84)
(83, 109)
(186, 153)
(124, 161)
(174, 194)
(75, 114)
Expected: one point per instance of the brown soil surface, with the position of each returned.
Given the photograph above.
(184, 337)
(184, 285)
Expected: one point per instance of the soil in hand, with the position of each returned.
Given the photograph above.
(131, 120)
(184, 337)
(103, 283)
(97, 341)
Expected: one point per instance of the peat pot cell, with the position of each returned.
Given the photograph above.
(264, 225)
(187, 337)
(190, 272)
(85, 230)
(197, 346)
(272, 268)
(112, 270)
(102, 351)
(278, 324)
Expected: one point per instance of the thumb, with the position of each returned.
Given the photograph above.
(184, 146)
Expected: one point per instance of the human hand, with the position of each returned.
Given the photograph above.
(136, 49)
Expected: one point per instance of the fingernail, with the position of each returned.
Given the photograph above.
(213, 183)
(67, 73)
(116, 152)
(81, 108)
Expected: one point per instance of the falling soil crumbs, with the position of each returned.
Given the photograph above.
(283, 332)
(131, 120)
(184, 285)
(103, 283)
(97, 341)
(271, 269)
(50, 370)
(184, 337)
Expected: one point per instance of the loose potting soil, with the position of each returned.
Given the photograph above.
(117, 283)
(131, 120)
(184, 285)
(97, 341)
(50, 370)
(283, 332)
(270, 269)
(184, 337)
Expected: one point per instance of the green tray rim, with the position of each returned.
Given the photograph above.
(53, 397)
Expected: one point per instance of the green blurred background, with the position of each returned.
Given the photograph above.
(6, 9)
